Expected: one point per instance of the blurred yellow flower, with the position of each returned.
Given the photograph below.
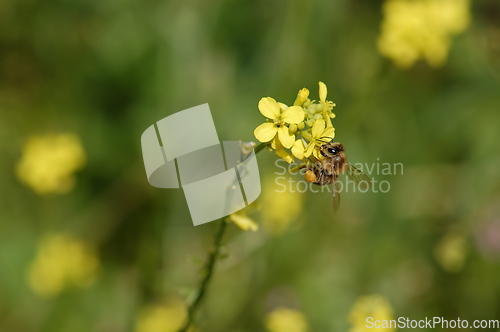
(281, 209)
(286, 320)
(243, 221)
(62, 261)
(48, 163)
(375, 306)
(169, 316)
(280, 119)
(451, 252)
(415, 29)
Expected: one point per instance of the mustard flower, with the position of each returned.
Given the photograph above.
(294, 132)
(62, 261)
(49, 162)
(286, 320)
(375, 306)
(279, 121)
(319, 136)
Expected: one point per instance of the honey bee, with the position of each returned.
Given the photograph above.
(326, 171)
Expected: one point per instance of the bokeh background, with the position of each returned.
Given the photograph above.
(86, 244)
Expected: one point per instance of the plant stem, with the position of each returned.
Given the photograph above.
(212, 257)
(260, 147)
(209, 268)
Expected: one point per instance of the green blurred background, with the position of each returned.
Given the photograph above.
(106, 70)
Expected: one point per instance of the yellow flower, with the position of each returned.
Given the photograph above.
(244, 222)
(286, 320)
(415, 29)
(280, 119)
(281, 209)
(375, 306)
(62, 261)
(320, 135)
(451, 252)
(168, 316)
(49, 162)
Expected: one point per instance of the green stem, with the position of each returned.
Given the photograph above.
(209, 267)
(260, 147)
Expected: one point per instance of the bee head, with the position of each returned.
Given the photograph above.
(330, 150)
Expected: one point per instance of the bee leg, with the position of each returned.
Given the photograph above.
(320, 171)
(298, 168)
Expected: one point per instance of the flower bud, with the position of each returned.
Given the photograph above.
(247, 147)
(301, 97)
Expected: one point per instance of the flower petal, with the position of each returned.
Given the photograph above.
(269, 108)
(322, 91)
(286, 139)
(317, 155)
(293, 114)
(275, 143)
(329, 132)
(282, 106)
(318, 128)
(265, 132)
(284, 155)
(298, 149)
(309, 149)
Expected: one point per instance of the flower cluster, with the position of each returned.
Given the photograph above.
(415, 29)
(301, 128)
(62, 261)
(49, 162)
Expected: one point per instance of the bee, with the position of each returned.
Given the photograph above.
(334, 163)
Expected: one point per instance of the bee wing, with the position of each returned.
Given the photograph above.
(336, 194)
(359, 178)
